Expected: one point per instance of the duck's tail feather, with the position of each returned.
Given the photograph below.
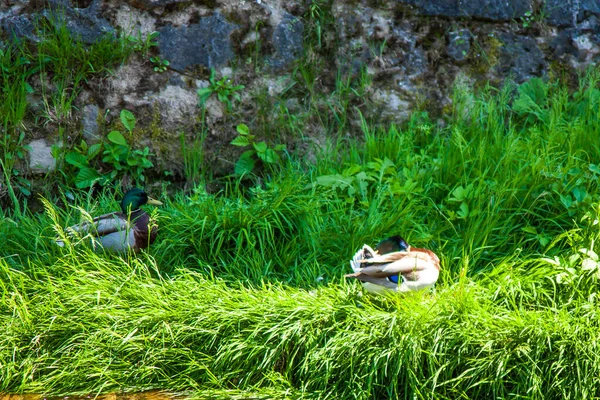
(364, 253)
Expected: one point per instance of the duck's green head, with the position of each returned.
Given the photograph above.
(392, 244)
(135, 198)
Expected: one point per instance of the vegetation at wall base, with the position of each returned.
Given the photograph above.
(242, 294)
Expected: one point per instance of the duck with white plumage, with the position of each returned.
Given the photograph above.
(395, 266)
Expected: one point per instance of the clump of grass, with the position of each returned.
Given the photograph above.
(110, 324)
(243, 292)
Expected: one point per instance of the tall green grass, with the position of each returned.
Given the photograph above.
(243, 295)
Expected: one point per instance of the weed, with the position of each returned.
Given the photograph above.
(116, 152)
(319, 23)
(193, 155)
(259, 151)
(160, 65)
(143, 45)
(58, 64)
(224, 88)
(527, 19)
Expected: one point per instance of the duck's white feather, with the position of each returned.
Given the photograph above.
(110, 231)
(364, 253)
(420, 270)
(117, 241)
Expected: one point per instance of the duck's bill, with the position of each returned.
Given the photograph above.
(154, 202)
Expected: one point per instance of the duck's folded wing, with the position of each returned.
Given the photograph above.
(397, 263)
(98, 227)
(102, 225)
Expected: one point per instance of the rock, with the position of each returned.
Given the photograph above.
(496, 10)
(379, 26)
(40, 157)
(215, 110)
(415, 63)
(83, 23)
(590, 24)
(18, 26)
(561, 12)
(520, 57)
(206, 43)
(152, 4)
(591, 6)
(562, 45)
(586, 47)
(177, 106)
(287, 41)
(459, 43)
(126, 79)
(90, 123)
(391, 105)
(135, 22)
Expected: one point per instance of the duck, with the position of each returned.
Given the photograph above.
(128, 229)
(395, 266)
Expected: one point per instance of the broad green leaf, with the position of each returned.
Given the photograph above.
(464, 211)
(334, 181)
(352, 170)
(269, 156)
(24, 190)
(115, 154)
(260, 147)
(117, 138)
(132, 161)
(86, 177)
(566, 200)
(245, 164)
(243, 129)
(362, 180)
(579, 193)
(94, 150)
(76, 159)
(544, 240)
(240, 141)
(128, 120)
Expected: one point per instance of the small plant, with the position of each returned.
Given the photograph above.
(224, 88)
(462, 196)
(527, 19)
(259, 151)
(358, 181)
(143, 45)
(160, 65)
(115, 152)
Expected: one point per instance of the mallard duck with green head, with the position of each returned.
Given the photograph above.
(395, 266)
(129, 229)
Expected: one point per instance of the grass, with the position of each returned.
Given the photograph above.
(242, 294)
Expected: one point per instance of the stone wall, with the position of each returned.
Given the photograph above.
(411, 50)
